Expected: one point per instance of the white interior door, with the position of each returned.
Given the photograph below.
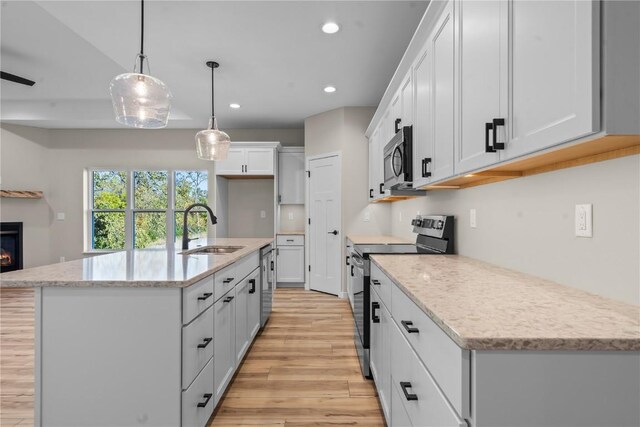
(325, 227)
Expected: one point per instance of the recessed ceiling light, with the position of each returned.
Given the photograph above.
(330, 28)
(234, 106)
(329, 89)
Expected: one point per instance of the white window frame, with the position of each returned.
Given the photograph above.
(130, 210)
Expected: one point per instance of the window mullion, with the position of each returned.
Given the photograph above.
(171, 203)
(128, 215)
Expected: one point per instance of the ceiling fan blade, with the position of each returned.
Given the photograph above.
(16, 79)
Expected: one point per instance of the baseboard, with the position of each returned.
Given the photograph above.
(290, 285)
(343, 295)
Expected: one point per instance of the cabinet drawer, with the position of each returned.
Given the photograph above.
(225, 280)
(290, 240)
(197, 346)
(198, 400)
(382, 284)
(423, 402)
(447, 363)
(196, 298)
(246, 265)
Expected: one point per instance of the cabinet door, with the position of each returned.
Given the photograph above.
(375, 345)
(384, 361)
(423, 119)
(373, 169)
(384, 135)
(395, 114)
(443, 95)
(259, 161)
(291, 178)
(242, 334)
(406, 95)
(234, 163)
(224, 339)
(253, 304)
(483, 72)
(290, 264)
(554, 78)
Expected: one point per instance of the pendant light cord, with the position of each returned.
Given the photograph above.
(213, 91)
(141, 35)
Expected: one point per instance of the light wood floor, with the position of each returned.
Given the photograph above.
(301, 371)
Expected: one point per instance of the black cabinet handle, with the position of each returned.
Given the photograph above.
(426, 171)
(205, 342)
(376, 282)
(395, 125)
(382, 188)
(271, 265)
(334, 232)
(253, 286)
(374, 307)
(289, 240)
(488, 148)
(409, 396)
(205, 296)
(347, 260)
(408, 325)
(496, 123)
(207, 398)
(352, 271)
(228, 280)
(228, 299)
(371, 193)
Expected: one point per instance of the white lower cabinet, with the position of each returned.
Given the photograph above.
(242, 335)
(399, 416)
(197, 346)
(224, 334)
(199, 400)
(381, 352)
(253, 304)
(290, 259)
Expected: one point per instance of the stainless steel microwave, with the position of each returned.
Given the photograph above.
(398, 164)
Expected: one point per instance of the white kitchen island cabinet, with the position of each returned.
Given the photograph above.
(143, 337)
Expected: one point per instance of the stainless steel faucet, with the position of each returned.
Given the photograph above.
(185, 231)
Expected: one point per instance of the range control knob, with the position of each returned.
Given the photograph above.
(418, 222)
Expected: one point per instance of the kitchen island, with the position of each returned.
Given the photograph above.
(143, 337)
(459, 342)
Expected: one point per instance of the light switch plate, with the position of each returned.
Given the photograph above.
(584, 220)
(290, 215)
(60, 216)
(263, 214)
(472, 218)
(367, 216)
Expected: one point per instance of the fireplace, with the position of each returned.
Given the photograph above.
(10, 246)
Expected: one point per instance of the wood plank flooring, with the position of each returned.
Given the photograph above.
(301, 371)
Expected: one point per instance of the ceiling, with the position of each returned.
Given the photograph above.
(274, 59)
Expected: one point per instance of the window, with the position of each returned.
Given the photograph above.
(144, 208)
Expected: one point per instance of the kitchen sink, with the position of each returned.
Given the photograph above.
(207, 250)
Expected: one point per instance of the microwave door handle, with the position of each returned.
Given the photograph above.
(393, 156)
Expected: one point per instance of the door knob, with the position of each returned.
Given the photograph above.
(334, 232)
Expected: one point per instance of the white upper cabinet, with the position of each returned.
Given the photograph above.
(373, 170)
(291, 178)
(483, 83)
(247, 160)
(443, 94)
(553, 73)
(422, 121)
(406, 96)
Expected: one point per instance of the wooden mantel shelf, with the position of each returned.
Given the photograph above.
(604, 148)
(17, 194)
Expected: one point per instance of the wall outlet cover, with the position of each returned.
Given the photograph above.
(367, 216)
(60, 216)
(290, 215)
(472, 218)
(584, 220)
(263, 214)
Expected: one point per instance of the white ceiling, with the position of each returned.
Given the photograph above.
(274, 59)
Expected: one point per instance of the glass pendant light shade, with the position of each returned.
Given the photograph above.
(140, 100)
(212, 144)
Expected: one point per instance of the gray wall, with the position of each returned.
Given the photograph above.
(296, 222)
(245, 199)
(527, 224)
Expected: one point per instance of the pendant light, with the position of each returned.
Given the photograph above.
(211, 143)
(140, 100)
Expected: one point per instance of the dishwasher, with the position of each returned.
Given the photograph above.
(267, 281)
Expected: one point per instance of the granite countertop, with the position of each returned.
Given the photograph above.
(484, 307)
(290, 233)
(363, 239)
(135, 268)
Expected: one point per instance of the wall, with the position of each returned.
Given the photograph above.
(24, 165)
(245, 200)
(527, 224)
(343, 130)
(296, 222)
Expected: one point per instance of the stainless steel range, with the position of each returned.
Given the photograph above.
(435, 236)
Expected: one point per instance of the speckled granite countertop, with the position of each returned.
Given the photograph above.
(363, 239)
(137, 268)
(484, 307)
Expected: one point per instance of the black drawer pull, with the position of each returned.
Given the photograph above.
(253, 286)
(205, 342)
(271, 265)
(228, 299)
(371, 193)
(497, 145)
(205, 296)
(376, 282)
(228, 280)
(207, 398)
(347, 260)
(409, 396)
(426, 167)
(408, 325)
(488, 148)
(382, 188)
(289, 240)
(374, 307)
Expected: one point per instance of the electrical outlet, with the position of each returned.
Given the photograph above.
(472, 218)
(263, 214)
(584, 220)
(62, 259)
(367, 216)
(290, 215)
(418, 213)
(400, 216)
(60, 216)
